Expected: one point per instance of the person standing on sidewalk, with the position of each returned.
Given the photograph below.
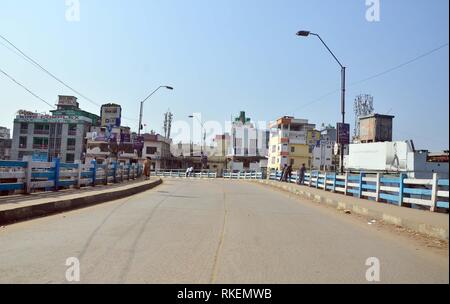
(147, 165)
(301, 175)
(283, 172)
(288, 175)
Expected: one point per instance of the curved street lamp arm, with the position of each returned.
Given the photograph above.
(334, 56)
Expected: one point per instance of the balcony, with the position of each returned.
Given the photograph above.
(72, 133)
(40, 147)
(71, 148)
(23, 131)
(41, 132)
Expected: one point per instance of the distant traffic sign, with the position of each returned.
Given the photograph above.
(343, 134)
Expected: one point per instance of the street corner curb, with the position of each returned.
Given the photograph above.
(54, 207)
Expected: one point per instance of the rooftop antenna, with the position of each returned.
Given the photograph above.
(363, 106)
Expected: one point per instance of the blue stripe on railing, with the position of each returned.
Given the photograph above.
(49, 175)
(353, 191)
(353, 178)
(86, 174)
(442, 204)
(339, 183)
(17, 164)
(389, 197)
(390, 180)
(443, 182)
(8, 187)
(67, 183)
(69, 166)
(369, 187)
(416, 191)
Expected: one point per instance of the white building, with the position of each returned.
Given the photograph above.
(323, 156)
(248, 145)
(393, 157)
(157, 147)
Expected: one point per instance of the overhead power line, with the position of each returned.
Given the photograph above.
(376, 75)
(25, 88)
(24, 56)
(31, 60)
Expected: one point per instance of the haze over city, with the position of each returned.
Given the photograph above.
(228, 56)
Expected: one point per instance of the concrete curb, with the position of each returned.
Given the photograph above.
(58, 206)
(426, 229)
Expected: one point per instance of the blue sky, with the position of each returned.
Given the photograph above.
(226, 56)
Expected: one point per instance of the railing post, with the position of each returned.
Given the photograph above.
(114, 164)
(334, 182)
(378, 190)
(28, 174)
(434, 193)
(400, 189)
(57, 170)
(106, 170)
(128, 172)
(317, 180)
(94, 172)
(310, 179)
(345, 183)
(325, 181)
(79, 170)
(360, 190)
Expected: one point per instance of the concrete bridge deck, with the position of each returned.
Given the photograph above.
(213, 231)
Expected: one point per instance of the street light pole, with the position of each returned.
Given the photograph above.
(343, 85)
(142, 105)
(203, 131)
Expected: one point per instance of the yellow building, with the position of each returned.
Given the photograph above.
(289, 143)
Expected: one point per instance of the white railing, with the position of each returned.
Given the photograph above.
(396, 189)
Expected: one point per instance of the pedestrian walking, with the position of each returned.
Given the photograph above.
(147, 166)
(301, 175)
(288, 175)
(283, 172)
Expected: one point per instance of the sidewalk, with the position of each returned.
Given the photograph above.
(425, 222)
(23, 207)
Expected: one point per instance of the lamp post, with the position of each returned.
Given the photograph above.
(343, 70)
(203, 131)
(142, 105)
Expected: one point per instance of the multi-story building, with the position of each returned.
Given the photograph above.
(5, 143)
(248, 145)
(323, 157)
(45, 137)
(116, 143)
(289, 143)
(157, 147)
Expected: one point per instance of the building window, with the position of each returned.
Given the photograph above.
(72, 130)
(23, 128)
(41, 129)
(22, 142)
(292, 149)
(71, 143)
(152, 150)
(40, 143)
(70, 158)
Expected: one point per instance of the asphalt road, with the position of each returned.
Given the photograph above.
(212, 231)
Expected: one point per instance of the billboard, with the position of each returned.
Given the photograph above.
(111, 115)
(343, 134)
